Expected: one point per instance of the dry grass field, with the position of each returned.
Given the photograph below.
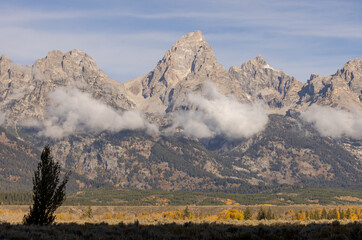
(147, 215)
(181, 222)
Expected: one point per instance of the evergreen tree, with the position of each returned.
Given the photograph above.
(89, 212)
(269, 214)
(261, 214)
(324, 214)
(247, 214)
(48, 193)
(186, 212)
(341, 213)
(332, 214)
(348, 213)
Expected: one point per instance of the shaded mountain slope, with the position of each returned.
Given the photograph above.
(18, 160)
(290, 151)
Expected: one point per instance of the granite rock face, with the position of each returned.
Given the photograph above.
(287, 151)
(261, 81)
(189, 64)
(24, 90)
(342, 89)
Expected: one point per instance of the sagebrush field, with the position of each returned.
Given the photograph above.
(146, 215)
(188, 222)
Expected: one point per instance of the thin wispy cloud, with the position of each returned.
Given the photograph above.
(294, 21)
(280, 30)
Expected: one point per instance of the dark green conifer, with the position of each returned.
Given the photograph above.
(48, 193)
(269, 214)
(247, 214)
(186, 212)
(89, 212)
(324, 214)
(341, 214)
(348, 213)
(261, 214)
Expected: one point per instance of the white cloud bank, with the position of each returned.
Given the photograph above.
(217, 114)
(72, 111)
(333, 122)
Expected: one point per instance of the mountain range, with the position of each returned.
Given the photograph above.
(189, 124)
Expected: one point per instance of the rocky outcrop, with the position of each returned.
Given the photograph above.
(24, 89)
(185, 67)
(261, 81)
(342, 89)
(191, 62)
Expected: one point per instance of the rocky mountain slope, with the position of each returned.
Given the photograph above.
(17, 160)
(261, 81)
(342, 89)
(187, 125)
(185, 67)
(24, 90)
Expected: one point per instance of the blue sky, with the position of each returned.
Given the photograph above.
(127, 38)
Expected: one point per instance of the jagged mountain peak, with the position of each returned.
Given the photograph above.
(54, 54)
(342, 89)
(353, 63)
(261, 81)
(74, 64)
(353, 67)
(191, 37)
(258, 60)
(281, 153)
(5, 60)
(77, 52)
(79, 56)
(27, 89)
(314, 76)
(256, 64)
(3, 57)
(5, 64)
(76, 56)
(351, 72)
(190, 62)
(74, 53)
(182, 58)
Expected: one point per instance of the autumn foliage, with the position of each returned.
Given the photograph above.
(331, 214)
(193, 214)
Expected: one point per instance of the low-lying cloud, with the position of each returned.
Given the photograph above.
(217, 114)
(72, 111)
(334, 122)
